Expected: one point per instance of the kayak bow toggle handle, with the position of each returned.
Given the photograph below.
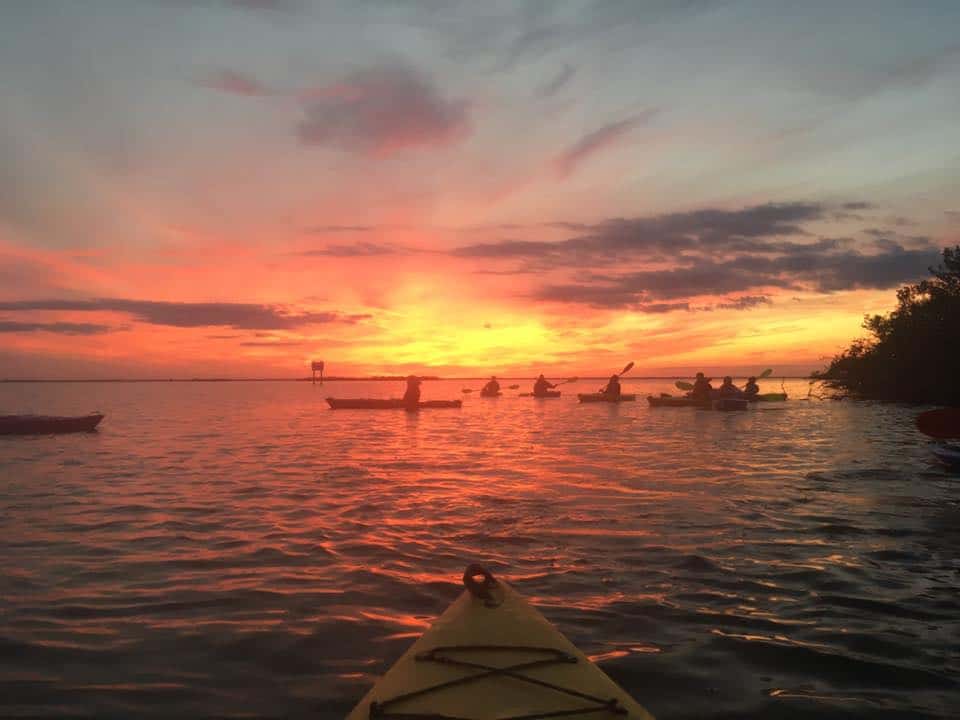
(479, 581)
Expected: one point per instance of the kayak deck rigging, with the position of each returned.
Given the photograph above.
(444, 655)
(492, 656)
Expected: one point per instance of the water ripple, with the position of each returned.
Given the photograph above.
(238, 550)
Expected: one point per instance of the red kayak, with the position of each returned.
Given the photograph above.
(547, 394)
(943, 424)
(393, 404)
(48, 424)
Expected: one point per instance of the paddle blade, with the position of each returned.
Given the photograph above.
(766, 373)
(513, 387)
(570, 380)
(467, 390)
(627, 368)
(943, 424)
(681, 385)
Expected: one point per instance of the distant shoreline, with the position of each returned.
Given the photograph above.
(357, 379)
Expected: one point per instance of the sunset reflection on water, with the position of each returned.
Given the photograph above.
(231, 548)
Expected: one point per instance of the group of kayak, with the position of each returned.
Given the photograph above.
(727, 397)
(542, 388)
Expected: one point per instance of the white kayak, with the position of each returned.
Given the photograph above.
(491, 655)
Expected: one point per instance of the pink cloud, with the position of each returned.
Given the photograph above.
(570, 160)
(381, 110)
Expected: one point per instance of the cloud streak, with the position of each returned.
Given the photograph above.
(570, 160)
(241, 316)
(558, 81)
(60, 328)
(235, 83)
(362, 249)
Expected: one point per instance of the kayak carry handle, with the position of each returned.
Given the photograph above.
(479, 581)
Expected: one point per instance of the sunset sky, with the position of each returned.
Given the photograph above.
(215, 187)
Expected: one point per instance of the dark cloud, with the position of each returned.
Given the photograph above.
(381, 110)
(558, 81)
(242, 316)
(707, 231)
(364, 249)
(746, 302)
(659, 308)
(567, 162)
(825, 273)
(61, 328)
(235, 83)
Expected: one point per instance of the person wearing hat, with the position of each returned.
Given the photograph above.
(411, 398)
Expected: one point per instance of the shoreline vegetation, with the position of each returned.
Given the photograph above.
(912, 354)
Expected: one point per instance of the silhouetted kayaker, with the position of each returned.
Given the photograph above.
(411, 398)
(492, 387)
(701, 388)
(751, 388)
(541, 386)
(613, 387)
(728, 389)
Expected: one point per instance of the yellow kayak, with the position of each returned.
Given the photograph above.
(492, 655)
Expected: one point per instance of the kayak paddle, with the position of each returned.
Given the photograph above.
(943, 423)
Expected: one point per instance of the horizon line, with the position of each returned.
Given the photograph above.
(360, 379)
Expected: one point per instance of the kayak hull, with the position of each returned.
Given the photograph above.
(48, 424)
(671, 401)
(491, 395)
(730, 404)
(391, 404)
(943, 423)
(542, 396)
(497, 629)
(768, 397)
(600, 397)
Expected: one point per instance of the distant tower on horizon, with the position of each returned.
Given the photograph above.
(317, 366)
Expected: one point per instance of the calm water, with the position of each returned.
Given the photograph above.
(237, 549)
